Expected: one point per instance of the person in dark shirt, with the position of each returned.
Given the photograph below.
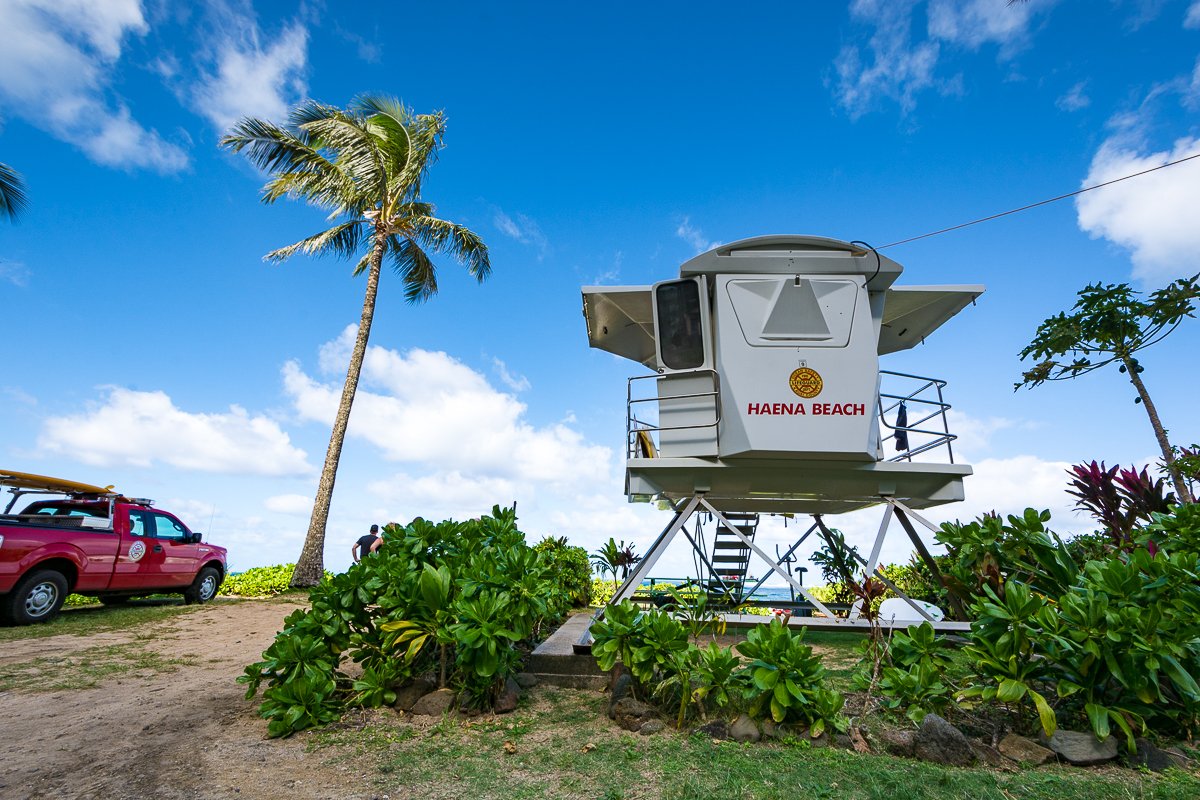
(366, 544)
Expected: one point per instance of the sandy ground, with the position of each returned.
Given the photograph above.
(183, 734)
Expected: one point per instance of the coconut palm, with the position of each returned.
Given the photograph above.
(365, 165)
(12, 192)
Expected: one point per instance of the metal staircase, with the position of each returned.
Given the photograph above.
(731, 555)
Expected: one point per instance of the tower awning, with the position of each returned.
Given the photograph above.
(910, 313)
(620, 320)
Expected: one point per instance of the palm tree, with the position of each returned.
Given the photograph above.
(12, 192)
(365, 165)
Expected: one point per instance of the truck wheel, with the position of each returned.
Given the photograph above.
(37, 598)
(205, 587)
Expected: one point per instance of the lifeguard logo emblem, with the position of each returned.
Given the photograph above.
(136, 551)
(806, 382)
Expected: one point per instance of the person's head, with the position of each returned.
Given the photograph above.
(375, 529)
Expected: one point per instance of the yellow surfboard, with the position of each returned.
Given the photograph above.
(25, 480)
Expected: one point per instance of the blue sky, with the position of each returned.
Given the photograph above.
(150, 347)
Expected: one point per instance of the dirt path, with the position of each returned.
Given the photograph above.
(148, 734)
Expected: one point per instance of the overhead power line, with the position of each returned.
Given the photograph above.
(1040, 202)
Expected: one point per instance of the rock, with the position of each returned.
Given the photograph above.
(844, 741)
(526, 680)
(506, 701)
(717, 729)
(744, 729)
(1025, 751)
(941, 743)
(651, 727)
(824, 740)
(622, 688)
(772, 729)
(1081, 749)
(1154, 758)
(435, 703)
(986, 754)
(407, 696)
(898, 742)
(631, 714)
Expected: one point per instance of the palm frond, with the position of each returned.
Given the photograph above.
(272, 148)
(414, 267)
(13, 199)
(342, 240)
(389, 120)
(455, 240)
(425, 133)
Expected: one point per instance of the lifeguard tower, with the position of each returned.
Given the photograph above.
(765, 396)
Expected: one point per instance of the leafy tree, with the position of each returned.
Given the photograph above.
(1110, 324)
(12, 192)
(365, 165)
(615, 558)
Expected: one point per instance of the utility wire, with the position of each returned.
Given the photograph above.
(1040, 203)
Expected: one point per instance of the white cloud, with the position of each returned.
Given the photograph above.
(251, 80)
(523, 229)
(1075, 99)
(56, 70)
(1152, 215)
(1192, 20)
(518, 383)
(978, 22)
(15, 272)
(694, 236)
(897, 66)
(145, 429)
(290, 504)
(429, 409)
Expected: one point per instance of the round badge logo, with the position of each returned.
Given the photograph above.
(806, 382)
(136, 551)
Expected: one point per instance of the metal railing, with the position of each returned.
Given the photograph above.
(927, 428)
(928, 407)
(635, 425)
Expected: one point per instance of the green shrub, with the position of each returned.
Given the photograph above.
(460, 600)
(786, 680)
(260, 581)
(573, 566)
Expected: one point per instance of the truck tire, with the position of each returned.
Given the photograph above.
(37, 598)
(204, 588)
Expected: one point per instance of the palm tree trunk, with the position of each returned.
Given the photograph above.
(311, 566)
(1181, 488)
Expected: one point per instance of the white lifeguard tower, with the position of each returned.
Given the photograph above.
(766, 396)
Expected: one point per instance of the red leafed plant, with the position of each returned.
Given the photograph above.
(1118, 498)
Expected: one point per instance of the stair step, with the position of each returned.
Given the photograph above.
(738, 545)
(728, 560)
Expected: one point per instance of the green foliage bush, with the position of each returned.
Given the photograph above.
(260, 581)
(574, 565)
(1113, 641)
(461, 600)
(780, 678)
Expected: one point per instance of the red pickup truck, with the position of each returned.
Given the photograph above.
(93, 541)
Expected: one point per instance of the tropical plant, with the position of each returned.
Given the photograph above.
(915, 679)
(12, 193)
(366, 166)
(1111, 324)
(615, 558)
(989, 551)
(839, 566)
(572, 565)
(1118, 498)
(458, 600)
(1008, 638)
(785, 680)
(693, 608)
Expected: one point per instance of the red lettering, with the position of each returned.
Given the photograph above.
(860, 409)
(753, 408)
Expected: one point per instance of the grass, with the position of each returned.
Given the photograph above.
(86, 669)
(559, 743)
(86, 620)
